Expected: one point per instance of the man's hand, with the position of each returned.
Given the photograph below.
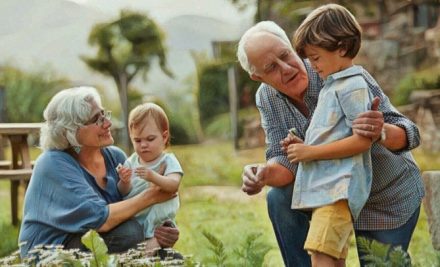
(369, 124)
(253, 178)
(166, 235)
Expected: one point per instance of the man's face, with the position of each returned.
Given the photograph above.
(277, 65)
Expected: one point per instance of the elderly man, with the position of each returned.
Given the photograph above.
(287, 99)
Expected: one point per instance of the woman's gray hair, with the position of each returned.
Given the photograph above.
(263, 26)
(68, 110)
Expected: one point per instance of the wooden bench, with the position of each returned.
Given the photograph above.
(5, 164)
(15, 177)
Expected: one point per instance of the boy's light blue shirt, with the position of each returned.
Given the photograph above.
(322, 182)
(64, 198)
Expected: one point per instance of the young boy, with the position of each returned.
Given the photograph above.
(150, 164)
(334, 174)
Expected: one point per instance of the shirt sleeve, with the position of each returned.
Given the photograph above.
(392, 116)
(64, 198)
(354, 99)
(173, 165)
(273, 131)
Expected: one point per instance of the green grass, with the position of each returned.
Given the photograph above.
(227, 213)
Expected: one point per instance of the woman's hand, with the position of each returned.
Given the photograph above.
(166, 236)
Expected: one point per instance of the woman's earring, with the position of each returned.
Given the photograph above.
(77, 149)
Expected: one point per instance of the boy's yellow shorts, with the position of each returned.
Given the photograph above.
(330, 230)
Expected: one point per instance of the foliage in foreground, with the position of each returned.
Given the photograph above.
(98, 256)
(251, 253)
(378, 254)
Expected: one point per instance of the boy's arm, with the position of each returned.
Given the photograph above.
(343, 148)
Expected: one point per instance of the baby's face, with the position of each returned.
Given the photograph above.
(149, 142)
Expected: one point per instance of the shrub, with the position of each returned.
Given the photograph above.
(27, 93)
(415, 81)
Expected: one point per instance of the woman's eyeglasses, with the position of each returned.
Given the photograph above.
(100, 118)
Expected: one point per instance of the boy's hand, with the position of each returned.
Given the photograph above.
(290, 139)
(124, 174)
(299, 153)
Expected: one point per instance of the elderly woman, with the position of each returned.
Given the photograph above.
(74, 184)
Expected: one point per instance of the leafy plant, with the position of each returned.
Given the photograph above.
(252, 252)
(382, 255)
(55, 255)
(98, 248)
(218, 248)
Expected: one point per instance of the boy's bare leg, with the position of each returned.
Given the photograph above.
(324, 260)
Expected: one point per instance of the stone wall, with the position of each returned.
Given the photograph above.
(425, 112)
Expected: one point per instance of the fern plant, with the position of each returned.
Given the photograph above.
(252, 252)
(218, 248)
(382, 255)
(249, 254)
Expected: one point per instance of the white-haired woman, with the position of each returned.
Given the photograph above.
(73, 187)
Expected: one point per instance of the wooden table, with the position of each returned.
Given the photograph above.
(21, 171)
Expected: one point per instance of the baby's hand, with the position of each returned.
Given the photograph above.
(124, 173)
(144, 173)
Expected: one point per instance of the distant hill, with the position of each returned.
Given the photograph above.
(35, 33)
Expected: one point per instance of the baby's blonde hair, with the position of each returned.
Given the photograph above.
(140, 115)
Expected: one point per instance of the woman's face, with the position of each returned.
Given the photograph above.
(96, 132)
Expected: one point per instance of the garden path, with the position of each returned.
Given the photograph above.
(233, 193)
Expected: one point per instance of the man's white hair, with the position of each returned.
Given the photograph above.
(263, 26)
(68, 110)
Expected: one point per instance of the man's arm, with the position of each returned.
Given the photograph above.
(371, 124)
(256, 176)
(398, 140)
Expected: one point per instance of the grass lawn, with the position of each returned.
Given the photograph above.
(211, 201)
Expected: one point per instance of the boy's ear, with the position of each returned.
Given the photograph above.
(255, 77)
(342, 52)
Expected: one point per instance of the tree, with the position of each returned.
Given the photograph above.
(126, 47)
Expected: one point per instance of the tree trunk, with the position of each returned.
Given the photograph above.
(122, 89)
